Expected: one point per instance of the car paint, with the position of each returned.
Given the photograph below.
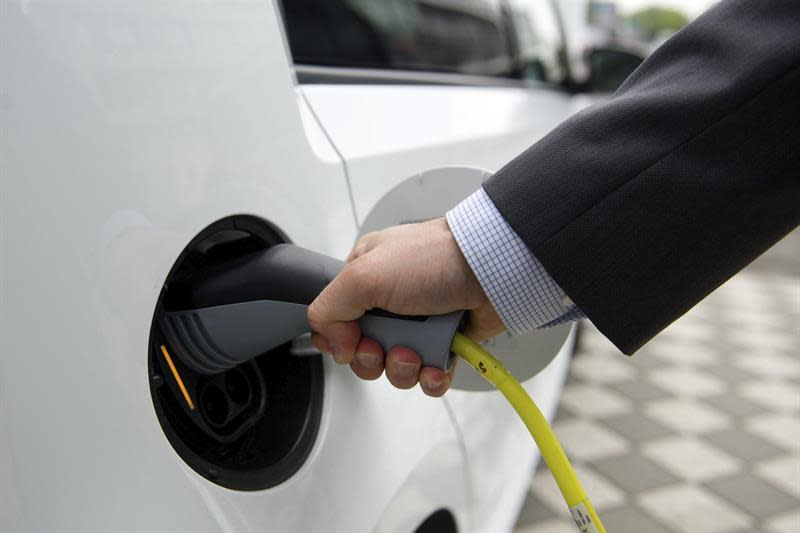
(390, 136)
(126, 129)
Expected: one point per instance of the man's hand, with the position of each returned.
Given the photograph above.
(413, 269)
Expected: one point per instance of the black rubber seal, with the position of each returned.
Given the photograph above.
(267, 444)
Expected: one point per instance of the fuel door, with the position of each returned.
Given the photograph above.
(431, 194)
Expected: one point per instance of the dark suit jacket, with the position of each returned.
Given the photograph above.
(641, 206)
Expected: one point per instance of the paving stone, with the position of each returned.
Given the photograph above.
(637, 427)
(783, 472)
(743, 444)
(564, 525)
(781, 430)
(534, 510)
(692, 509)
(755, 496)
(587, 440)
(642, 391)
(699, 432)
(687, 416)
(776, 395)
(728, 372)
(631, 519)
(761, 340)
(685, 352)
(645, 362)
(686, 329)
(690, 458)
(784, 523)
(563, 414)
(688, 382)
(634, 473)
(594, 401)
(733, 404)
(603, 368)
(603, 493)
(769, 364)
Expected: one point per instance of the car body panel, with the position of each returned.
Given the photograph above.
(389, 133)
(127, 129)
(405, 147)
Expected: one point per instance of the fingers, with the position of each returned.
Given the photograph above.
(377, 275)
(404, 370)
(364, 245)
(334, 312)
(435, 381)
(368, 362)
(320, 343)
(340, 339)
(402, 367)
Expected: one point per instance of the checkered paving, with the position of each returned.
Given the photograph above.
(699, 432)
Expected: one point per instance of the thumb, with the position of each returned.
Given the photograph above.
(483, 323)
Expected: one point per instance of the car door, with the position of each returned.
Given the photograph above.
(136, 139)
(423, 100)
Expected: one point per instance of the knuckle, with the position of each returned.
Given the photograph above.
(362, 246)
(358, 274)
(368, 237)
(315, 315)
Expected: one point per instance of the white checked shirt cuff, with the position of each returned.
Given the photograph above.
(519, 288)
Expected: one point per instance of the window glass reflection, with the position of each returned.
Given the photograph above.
(460, 36)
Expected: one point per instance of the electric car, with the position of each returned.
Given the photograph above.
(144, 140)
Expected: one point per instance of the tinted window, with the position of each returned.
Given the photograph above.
(539, 38)
(460, 36)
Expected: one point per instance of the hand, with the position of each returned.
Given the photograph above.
(413, 269)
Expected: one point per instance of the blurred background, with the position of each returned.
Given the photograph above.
(700, 430)
(638, 26)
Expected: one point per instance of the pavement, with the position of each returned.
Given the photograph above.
(699, 432)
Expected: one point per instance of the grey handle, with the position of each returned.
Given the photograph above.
(250, 307)
(214, 339)
(430, 338)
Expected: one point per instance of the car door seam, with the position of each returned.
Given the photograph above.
(338, 152)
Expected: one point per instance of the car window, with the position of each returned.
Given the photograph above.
(453, 36)
(539, 39)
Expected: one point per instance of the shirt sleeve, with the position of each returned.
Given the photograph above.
(519, 288)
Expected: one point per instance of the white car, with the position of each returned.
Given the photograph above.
(144, 139)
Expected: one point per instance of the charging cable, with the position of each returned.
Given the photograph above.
(495, 373)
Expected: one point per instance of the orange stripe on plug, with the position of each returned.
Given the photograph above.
(177, 377)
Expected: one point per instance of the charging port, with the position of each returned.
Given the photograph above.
(250, 427)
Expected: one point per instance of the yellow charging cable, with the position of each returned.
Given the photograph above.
(493, 371)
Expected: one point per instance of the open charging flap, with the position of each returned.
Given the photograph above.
(429, 195)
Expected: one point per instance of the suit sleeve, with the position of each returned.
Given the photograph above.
(640, 207)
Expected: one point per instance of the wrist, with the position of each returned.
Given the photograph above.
(520, 290)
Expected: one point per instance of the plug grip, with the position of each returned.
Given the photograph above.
(249, 306)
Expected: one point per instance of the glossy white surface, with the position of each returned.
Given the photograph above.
(500, 451)
(397, 143)
(431, 194)
(387, 134)
(126, 129)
